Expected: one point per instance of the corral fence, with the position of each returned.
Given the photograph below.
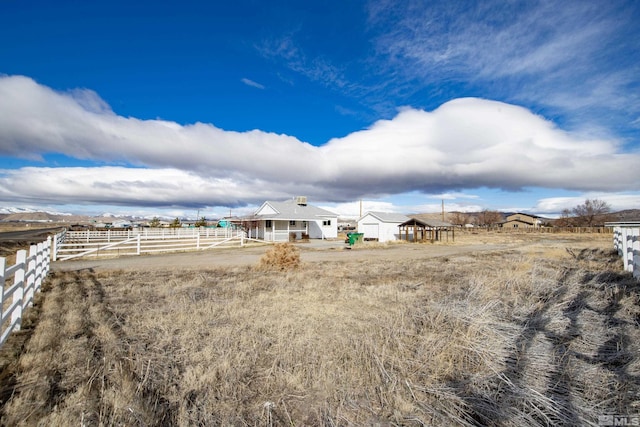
(626, 240)
(20, 282)
(114, 243)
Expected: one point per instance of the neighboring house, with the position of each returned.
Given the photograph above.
(381, 226)
(521, 220)
(279, 221)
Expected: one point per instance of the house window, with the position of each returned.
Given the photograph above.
(293, 223)
(267, 223)
(326, 222)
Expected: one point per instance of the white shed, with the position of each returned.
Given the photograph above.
(381, 226)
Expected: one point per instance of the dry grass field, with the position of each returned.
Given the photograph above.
(543, 334)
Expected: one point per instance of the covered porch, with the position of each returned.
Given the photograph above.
(418, 230)
(274, 230)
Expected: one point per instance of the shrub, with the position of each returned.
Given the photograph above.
(282, 256)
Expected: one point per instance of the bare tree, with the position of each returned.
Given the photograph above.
(459, 218)
(591, 212)
(565, 219)
(488, 218)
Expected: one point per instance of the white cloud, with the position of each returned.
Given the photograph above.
(465, 144)
(570, 56)
(252, 83)
(617, 202)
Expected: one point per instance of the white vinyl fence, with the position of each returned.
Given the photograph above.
(20, 282)
(626, 240)
(77, 244)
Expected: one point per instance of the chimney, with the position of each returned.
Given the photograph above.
(301, 200)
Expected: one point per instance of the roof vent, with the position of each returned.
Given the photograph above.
(301, 200)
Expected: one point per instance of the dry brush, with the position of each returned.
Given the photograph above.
(537, 337)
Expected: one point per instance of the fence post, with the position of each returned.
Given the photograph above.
(47, 257)
(18, 278)
(636, 253)
(39, 267)
(138, 245)
(30, 281)
(198, 241)
(629, 250)
(3, 267)
(54, 248)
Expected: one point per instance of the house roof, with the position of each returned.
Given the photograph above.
(290, 210)
(523, 214)
(387, 216)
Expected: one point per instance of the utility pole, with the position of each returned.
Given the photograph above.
(442, 210)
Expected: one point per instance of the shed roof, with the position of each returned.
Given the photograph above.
(291, 210)
(428, 223)
(387, 216)
(623, 224)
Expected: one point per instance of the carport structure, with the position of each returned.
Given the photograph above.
(422, 230)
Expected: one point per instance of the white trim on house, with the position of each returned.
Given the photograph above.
(278, 220)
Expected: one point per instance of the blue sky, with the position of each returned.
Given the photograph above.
(173, 108)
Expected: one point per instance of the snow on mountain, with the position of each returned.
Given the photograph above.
(18, 210)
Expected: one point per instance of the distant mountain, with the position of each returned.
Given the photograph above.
(32, 217)
(8, 211)
(626, 215)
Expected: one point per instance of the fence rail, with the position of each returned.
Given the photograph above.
(626, 240)
(19, 284)
(77, 244)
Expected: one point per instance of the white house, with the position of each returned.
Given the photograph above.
(277, 221)
(381, 226)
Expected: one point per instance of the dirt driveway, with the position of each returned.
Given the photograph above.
(332, 251)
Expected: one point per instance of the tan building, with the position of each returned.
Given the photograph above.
(521, 220)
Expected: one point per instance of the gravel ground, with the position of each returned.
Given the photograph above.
(322, 251)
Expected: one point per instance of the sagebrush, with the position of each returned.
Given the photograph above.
(282, 256)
